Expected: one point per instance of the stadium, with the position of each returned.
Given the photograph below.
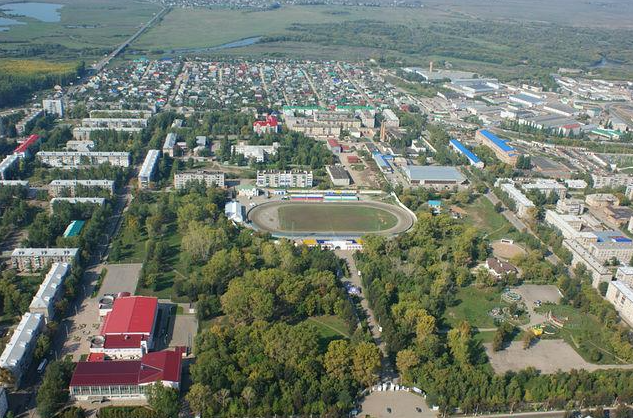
(323, 215)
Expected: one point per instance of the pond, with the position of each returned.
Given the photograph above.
(44, 12)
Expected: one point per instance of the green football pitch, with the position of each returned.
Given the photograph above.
(324, 217)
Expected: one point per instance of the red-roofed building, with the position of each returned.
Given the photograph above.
(353, 159)
(125, 379)
(270, 125)
(23, 149)
(334, 146)
(127, 330)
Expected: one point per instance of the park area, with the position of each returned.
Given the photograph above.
(482, 215)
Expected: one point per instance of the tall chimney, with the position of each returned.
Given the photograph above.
(431, 67)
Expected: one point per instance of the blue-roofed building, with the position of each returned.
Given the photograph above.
(505, 152)
(435, 205)
(381, 161)
(470, 156)
(74, 229)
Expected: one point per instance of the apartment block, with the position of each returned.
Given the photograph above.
(35, 259)
(210, 178)
(73, 159)
(148, 168)
(284, 179)
(69, 188)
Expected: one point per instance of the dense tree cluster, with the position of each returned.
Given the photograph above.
(411, 280)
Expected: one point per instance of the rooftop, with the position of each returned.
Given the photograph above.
(501, 143)
(153, 367)
(50, 286)
(468, 153)
(23, 335)
(437, 173)
(131, 315)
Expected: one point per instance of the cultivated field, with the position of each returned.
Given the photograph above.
(330, 219)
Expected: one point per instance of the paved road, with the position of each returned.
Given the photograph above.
(387, 369)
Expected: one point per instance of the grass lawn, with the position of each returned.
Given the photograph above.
(329, 328)
(584, 333)
(324, 217)
(482, 215)
(473, 305)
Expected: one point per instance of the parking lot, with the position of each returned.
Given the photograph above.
(120, 278)
(400, 403)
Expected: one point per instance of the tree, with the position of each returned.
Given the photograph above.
(366, 364)
(248, 394)
(223, 396)
(406, 360)
(6, 377)
(338, 359)
(53, 392)
(199, 398)
(528, 339)
(163, 400)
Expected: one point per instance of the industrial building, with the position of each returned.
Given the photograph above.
(500, 147)
(338, 175)
(17, 354)
(470, 156)
(148, 168)
(35, 259)
(210, 178)
(50, 291)
(284, 179)
(73, 159)
(125, 379)
(69, 188)
(435, 177)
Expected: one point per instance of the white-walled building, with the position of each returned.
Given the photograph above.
(210, 178)
(259, 153)
(522, 203)
(148, 168)
(34, 259)
(620, 294)
(49, 291)
(169, 146)
(17, 354)
(73, 159)
(57, 188)
(284, 179)
(53, 107)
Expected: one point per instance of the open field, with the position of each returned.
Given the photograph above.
(330, 219)
(203, 28)
(473, 305)
(329, 326)
(505, 250)
(95, 25)
(548, 356)
(483, 216)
